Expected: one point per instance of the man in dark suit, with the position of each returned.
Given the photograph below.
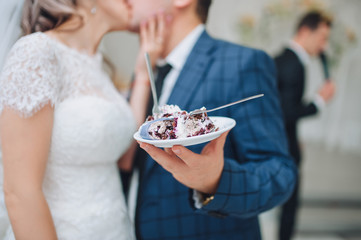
(310, 40)
(213, 191)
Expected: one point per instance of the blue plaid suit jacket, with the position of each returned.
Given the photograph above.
(258, 172)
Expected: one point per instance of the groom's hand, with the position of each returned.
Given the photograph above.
(201, 172)
(153, 38)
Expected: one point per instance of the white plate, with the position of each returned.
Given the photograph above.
(223, 123)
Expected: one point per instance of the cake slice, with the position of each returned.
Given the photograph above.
(174, 123)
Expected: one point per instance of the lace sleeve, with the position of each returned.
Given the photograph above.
(29, 79)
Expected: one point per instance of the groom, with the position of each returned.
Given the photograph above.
(219, 193)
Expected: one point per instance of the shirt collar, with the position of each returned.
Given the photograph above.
(179, 55)
(300, 52)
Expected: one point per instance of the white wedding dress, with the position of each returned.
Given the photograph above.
(93, 127)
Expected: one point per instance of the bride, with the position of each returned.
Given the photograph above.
(63, 125)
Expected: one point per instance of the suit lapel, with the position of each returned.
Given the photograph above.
(192, 74)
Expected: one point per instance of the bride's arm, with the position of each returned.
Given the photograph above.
(25, 144)
(138, 103)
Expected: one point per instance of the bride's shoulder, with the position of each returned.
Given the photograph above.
(33, 38)
(30, 77)
(35, 43)
(33, 49)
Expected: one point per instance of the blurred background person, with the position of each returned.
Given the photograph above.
(310, 40)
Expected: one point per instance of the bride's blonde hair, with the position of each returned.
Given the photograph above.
(44, 15)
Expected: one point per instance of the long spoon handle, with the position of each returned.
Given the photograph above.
(152, 83)
(227, 105)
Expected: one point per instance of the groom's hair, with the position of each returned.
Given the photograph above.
(203, 9)
(313, 19)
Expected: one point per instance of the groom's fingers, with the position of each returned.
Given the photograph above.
(169, 162)
(220, 141)
(170, 152)
(211, 150)
(188, 157)
(215, 146)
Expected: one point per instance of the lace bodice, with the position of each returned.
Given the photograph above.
(92, 128)
(40, 70)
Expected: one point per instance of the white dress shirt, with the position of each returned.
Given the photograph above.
(300, 52)
(304, 57)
